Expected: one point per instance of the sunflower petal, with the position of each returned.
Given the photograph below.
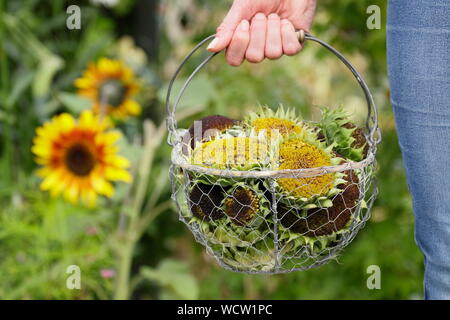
(117, 174)
(102, 186)
(118, 161)
(72, 192)
(89, 198)
(50, 180)
(133, 107)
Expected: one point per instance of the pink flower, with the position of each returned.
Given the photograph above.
(107, 273)
(91, 231)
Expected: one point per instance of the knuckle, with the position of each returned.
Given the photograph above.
(241, 37)
(221, 28)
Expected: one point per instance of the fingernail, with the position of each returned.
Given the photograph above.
(213, 43)
(245, 25)
(273, 16)
(260, 16)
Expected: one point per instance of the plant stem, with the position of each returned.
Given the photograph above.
(151, 215)
(128, 237)
(123, 276)
(138, 218)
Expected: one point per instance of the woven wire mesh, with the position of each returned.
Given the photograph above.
(250, 224)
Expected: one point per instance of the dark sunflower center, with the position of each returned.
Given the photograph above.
(80, 160)
(242, 206)
(112, 92)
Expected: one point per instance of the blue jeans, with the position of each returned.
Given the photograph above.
(419, 67)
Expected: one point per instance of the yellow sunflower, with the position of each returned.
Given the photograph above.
(283, 121)
(79, 158)
(233, 152)
(297, 154)
(283, 126)
(111, 86)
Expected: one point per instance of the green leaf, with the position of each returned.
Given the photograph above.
(19, 86)
(48, 67)
(199, 93)
(174, 278)
(74, 102)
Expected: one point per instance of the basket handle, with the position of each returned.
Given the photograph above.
(374, 136)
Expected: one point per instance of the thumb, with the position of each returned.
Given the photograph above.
(226, 30)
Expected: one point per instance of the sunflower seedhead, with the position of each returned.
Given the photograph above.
(320, 226)
(242, 205)
(205, 200)
(282, 121)
(205, 129)
(302, 151)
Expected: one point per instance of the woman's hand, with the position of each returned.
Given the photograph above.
(256, 29)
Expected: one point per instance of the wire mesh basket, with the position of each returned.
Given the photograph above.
(265, 219)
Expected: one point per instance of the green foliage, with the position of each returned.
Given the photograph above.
(40, 238)
(73, 102)
(175, 280)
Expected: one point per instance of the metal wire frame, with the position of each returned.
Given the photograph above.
(181, 171)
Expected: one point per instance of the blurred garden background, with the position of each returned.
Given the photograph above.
(131, 244)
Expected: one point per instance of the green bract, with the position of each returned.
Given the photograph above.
(347, 139)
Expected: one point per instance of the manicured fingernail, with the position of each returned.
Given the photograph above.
(213, 43)
(273, 16)
(285, 22)
(245, 25)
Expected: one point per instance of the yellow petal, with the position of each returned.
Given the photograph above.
(133, 107)
(102, 186)
(117, 161)
(87, 119)
(43, 172)
(84, 83)
(66, 122)
(59, 187)
(41, 161)
(107, 66)
(89, 198)
(41, 151)
(117, 174)
(50, 180)
(72, 192)
(109, 138)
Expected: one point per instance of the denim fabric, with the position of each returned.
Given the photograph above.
(418, 43)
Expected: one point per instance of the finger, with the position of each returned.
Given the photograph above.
(291, 45)
(256, 48)
(227, 28)
(274, 48)
(239, 43)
